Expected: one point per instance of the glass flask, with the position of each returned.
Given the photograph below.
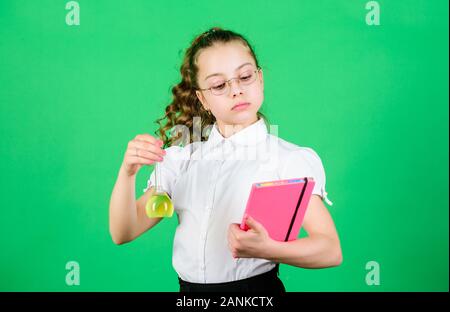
(159, 205)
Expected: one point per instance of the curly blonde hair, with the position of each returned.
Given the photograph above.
(185, 104)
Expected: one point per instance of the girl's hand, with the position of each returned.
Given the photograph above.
(248, 244)
(144, 149)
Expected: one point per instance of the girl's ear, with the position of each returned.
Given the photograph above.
(262, 78)
(201, 98)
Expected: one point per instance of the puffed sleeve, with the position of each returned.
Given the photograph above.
(305, 162)
(169, 169)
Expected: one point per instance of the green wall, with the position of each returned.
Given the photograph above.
(372, 100)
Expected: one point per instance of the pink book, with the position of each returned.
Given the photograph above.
(279, 206)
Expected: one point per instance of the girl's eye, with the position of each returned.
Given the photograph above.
(247, 77)
(219, 87)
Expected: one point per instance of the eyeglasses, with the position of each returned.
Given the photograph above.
(223, 87)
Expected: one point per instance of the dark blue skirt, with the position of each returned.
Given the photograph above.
(266, 282)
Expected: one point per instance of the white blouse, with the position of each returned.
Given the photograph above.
(209, 183)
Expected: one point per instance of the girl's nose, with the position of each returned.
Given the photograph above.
(235, 88)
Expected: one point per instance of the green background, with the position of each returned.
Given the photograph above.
(371, 100)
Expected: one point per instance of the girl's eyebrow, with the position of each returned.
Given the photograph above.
(218, 74)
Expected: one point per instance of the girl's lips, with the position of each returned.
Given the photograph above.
(241, 106)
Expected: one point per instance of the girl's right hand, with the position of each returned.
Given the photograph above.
(144, 149)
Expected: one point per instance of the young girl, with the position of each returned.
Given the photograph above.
(209, 179)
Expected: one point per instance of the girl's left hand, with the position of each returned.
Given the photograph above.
(248, 244)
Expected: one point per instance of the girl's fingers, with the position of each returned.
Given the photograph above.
(148, 155)
(146, 146)
(140, 160)
(147, 138)
(144, 149)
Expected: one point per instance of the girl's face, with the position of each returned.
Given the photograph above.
(220, 63)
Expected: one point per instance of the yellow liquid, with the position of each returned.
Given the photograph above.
(159, 205)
